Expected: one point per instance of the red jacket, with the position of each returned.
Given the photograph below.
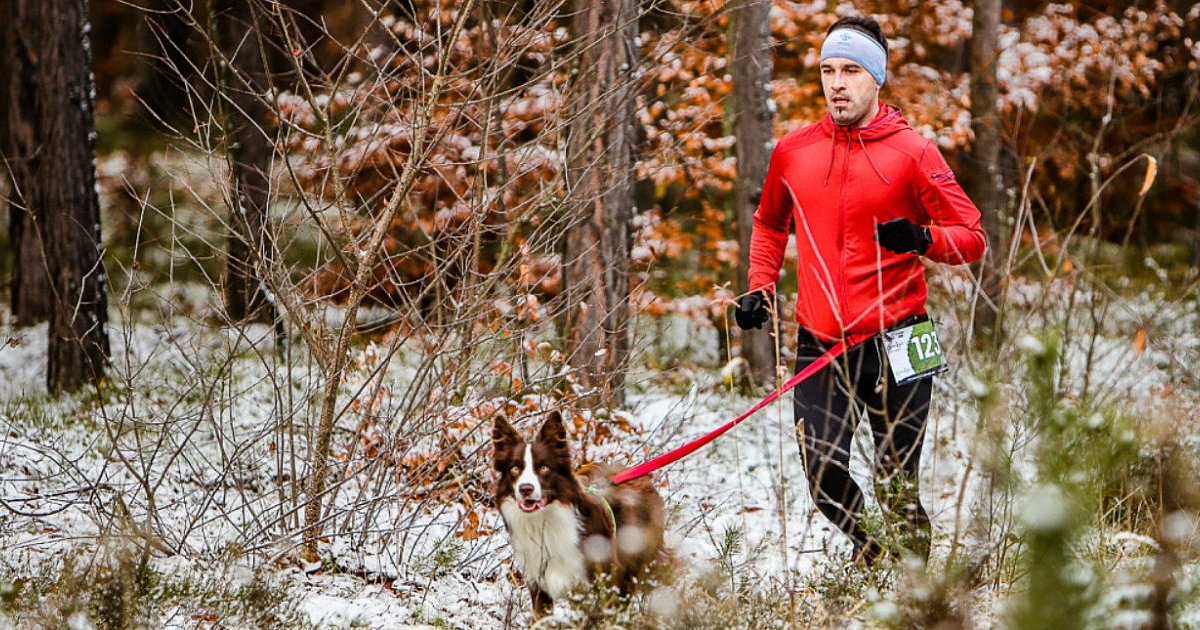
(835, 184)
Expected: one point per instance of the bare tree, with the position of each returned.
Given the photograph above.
(753, 118)
(368, 215)
(49, 148)
(983, 179)
(30, 289)
(250, 152)
(424, 173)
(600, 179)
(1196, 235)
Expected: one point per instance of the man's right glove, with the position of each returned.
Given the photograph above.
(751, 311)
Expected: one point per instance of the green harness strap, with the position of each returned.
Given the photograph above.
(612, 518)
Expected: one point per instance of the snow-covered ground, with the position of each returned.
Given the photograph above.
(196, 453)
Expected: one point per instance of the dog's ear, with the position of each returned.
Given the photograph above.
(503, 434)
(553, 431)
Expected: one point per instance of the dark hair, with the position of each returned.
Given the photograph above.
(865, 25)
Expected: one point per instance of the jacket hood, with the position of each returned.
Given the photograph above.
(888, 121)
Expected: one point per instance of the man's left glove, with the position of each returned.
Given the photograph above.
(903, 236)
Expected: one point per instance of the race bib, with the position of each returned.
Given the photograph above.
(914, 352)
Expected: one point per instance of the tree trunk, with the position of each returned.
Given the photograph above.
(30, 288)
(983, 178)
(49, 146)
(753, 118)
(600, 183)
(1196, 236)
(167, 68)
(250, 151)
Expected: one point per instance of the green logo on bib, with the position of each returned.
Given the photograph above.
(924, 351)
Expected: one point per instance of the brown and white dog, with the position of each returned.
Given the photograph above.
(567, 527)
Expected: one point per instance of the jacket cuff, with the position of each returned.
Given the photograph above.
(766, 285)
(935, 245)
(926, 239)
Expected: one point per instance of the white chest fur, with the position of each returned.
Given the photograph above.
(546, 545)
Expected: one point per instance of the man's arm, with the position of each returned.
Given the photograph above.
(956, 228)
(768, 241)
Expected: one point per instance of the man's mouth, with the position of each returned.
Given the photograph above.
(529, 505)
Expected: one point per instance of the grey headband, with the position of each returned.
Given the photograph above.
(859, 47)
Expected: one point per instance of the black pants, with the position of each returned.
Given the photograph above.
(828, 406)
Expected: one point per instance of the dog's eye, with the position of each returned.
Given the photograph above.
(543, 470)
(515, 470)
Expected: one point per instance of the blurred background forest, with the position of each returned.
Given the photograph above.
(1081, 88)
(505, 200)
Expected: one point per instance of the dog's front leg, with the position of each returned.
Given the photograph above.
(542, 603)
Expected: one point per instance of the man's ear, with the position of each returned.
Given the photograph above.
(503, 434)
(553, 431)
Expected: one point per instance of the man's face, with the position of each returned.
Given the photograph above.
(851, 93)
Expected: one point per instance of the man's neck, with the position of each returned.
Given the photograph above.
(867, 118)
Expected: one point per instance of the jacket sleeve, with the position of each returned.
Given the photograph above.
(768, 239)
(956, 226)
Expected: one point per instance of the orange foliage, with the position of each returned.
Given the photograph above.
(497, 164)
(482, 158)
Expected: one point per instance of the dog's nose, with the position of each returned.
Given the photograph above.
(525, 489)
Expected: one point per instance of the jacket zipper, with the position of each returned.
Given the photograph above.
(842, 235)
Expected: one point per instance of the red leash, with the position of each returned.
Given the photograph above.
(687, 449)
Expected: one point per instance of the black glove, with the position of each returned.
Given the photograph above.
(903, 236)
(751, 311)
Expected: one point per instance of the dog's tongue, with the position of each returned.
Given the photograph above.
(532, 506)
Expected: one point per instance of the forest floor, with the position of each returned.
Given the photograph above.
(170, 500)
